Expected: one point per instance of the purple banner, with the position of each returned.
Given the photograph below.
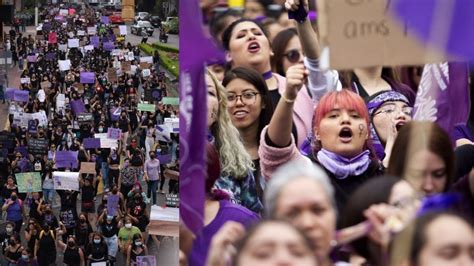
(446, 25)
(115, 113)
(192, 120)
(66, 159)
(112, 204)
(32, 58)
(78, 107)
(21, 96)
(443, 96)
(95, 41)
(104, 20)
(9, 93)
(87, 77)
(59, 18)
(109, 46)
(164, 158)
(91, 143)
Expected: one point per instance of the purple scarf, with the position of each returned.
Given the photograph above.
(343, 167)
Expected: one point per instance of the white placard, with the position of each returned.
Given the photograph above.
(164, 214)
(63, 12)
(24, 80)
(60, 101)
(81, 33)
(62, 47)
(92, 30)
(71, 34)
(130, 56)
(42, 118)
(66, 180)
(163, 132)
(123, 29)
(115, 52)
(72, 43)
(64, 65)
(147, 59)
(106, 142)
(146, 72)
(89, 47)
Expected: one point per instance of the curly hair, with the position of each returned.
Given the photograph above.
(235, 161)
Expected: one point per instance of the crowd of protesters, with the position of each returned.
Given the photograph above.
(307, 166)
(82, 229)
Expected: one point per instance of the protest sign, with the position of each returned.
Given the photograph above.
(32, 127)
(95, 41)
(105, 142)
(84, 118)
(152, 95)
(115, 113)
(28, 182)
(129, 56)
(114, 133)
(146, 73)
(66, 159)
(64, 65)
(126, 66)
(173, 123)
(123, 29)
(144, 65)
(172, 200)
(77, 107)
(109, 46)
(73, 43)
(89, 47)
(87, 77)
(66, 180)
(104, 20)
(91, 143)
(21, 95)
(87, 168)
(63, 12)
(24, 80)
(41, 117)
(50, 56)
(147, 59)
(72, 11)
(163, 132)
(145, 107)
(45, 85)
(170, 100)
(62, 47)
(7, 140)
(112, 204)
(112, 75)
(146, 261)
(38, 146)
(60, 101)
(31, 58)
(164, 221)
(91, 30)
(362, 34)
(81, 33)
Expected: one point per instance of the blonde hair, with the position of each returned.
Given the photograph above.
(235, 161)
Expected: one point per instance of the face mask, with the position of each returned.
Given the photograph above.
(128, 226)
(24, 257)
(96, 241)
(9, 229)
(101, 129)
(138, 243)
(14, 197)
(110, 218)
(70, 244)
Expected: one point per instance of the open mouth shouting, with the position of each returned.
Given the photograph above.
(345, 135)
(399, 125)
(253, 47)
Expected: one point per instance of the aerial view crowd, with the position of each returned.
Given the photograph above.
(313, 166)
(87, 144)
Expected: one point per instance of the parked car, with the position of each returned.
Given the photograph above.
(142, 16)
(116, 18)
(155, 21)
(171, 24)
(141, 27)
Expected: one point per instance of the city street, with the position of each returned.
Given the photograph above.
(167, 252)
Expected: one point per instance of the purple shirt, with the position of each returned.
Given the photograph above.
(227, 212)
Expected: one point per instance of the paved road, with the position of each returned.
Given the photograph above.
(173, 39)
(167, 252)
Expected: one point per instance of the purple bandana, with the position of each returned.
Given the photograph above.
(343, 167)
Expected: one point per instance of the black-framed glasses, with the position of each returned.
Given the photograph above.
(293, 55)
(247, 97)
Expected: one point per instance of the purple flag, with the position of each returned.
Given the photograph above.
(446, 25)
(443, 96)
(21, 96)
(104, 20)
(95, 41)
(109, 46)
(115, 113)
(192, 120)
(112, 204)
(66, 159)
(78, 107)
(9, 93)
(87, 77)
(164, 158)
(50, 56)
(91, 143)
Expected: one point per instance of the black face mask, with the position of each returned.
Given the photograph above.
(14, 197)
(70, 244)
(11, 242)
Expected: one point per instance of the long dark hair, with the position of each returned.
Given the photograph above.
(227, 34)
(254, 78)
(279, 44)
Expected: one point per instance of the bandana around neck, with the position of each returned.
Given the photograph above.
(343, 167)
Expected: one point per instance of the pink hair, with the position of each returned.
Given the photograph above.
(344, 99)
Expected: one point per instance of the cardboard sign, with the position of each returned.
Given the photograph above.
(363, 34)
(66, 180)
(60, 101)
(87, 168)
(145, 107)
(91, 143)
(38, 146)
(126, 66)
(112, 75)
(123, 29)
(144, 65)
(28, 182)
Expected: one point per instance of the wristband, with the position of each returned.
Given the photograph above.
(299, 15)
(287, 100)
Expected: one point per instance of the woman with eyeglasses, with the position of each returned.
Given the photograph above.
(287, 51)
(247, 46)
(250, 109)
(236, 173)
